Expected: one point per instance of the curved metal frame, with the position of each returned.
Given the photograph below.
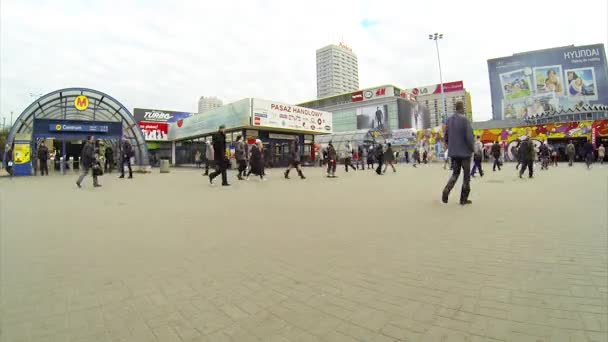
(59, 105)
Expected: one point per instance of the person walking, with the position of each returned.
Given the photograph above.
(446, 159)
(544, 156)
(460, 144)
(109, 160)
(348, 154)
(362, 157)
(496, 155)
(8, 161)
(126, 154)
(416, 157)
(570, 152)
(379, 158)
(332, 157)
(221, 162)
(554, 155)
(210, 156)
(515, 155)
(43, 158)
(526, 155)
(370, 157)
(389, 158)
(589, 153)
(295, 160)
(87, 160)
(197, 159)
(601, 154)
(241, 157)
(256, 160)
(477, 157)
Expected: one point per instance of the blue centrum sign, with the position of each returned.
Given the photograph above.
(78, 128)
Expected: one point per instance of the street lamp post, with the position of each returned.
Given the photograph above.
(436, 37)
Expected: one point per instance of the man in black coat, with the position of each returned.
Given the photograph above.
(496, 156)
(87, 158)
(109, 163)
(127, 153)
(43, 157)
(526, 156)
(219, 149)
(295, 160)
(460, 141)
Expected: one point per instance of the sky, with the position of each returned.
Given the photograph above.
(166, 54)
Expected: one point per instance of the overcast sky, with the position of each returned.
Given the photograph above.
(165, 54)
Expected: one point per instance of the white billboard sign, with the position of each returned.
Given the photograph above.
(286, 116)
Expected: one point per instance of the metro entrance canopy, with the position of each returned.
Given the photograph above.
(75, 113)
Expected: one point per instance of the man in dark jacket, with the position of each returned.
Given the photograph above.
(544, 156)
(526, 156)
(496, 155)
(332, 157)
(219, 149)
(109, 163)
(589, 153)
(379, 158)
(43, 157)
(241, 157)
(295, 160)
(127, 153)
(87, 159)
(460, 141)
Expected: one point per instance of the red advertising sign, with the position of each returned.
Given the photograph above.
(357, 96)
(449, 87)
(155, 131)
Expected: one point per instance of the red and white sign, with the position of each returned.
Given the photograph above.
(357, 96)
(448, 87)
(286, 116)
(155, 131)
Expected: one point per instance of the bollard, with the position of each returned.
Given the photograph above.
(71, 164)
(164, 166)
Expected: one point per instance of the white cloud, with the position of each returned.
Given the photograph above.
(165, 54)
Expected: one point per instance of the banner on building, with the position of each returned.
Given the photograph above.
(286, 116)
(534, 82)
(155, 131)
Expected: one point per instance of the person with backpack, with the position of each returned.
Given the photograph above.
(87, 161)
(126, 154)
(477, 157)
(544, 156)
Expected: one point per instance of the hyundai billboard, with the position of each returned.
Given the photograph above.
(534, 82)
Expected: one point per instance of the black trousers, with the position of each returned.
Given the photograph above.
(108, 165)
(44, 167)
(331, 167)
(463, 164)
(477, 166)
(126, 161)
(220, 168)
(242, 167)
(348, 162)
(527, 164)
(496, 164)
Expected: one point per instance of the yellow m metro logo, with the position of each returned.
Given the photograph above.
(81, 102)
(58, 127)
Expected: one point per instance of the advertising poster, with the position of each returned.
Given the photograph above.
(413, 115)
(281, 115)
(233, 115)
(373, 117)
(155, 131)
(21, 153)
(554, 79)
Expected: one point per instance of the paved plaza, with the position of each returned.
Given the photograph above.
(166, 257)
